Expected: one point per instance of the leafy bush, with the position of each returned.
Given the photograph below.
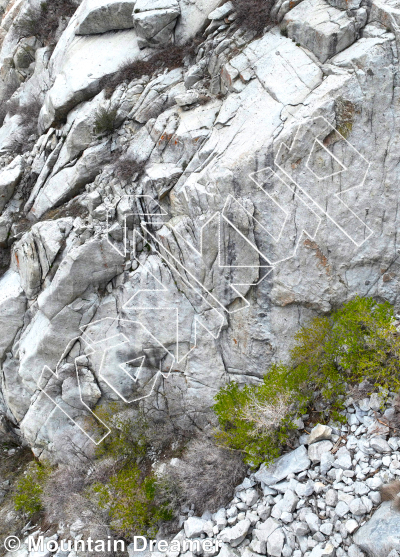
(44, 22)
(130, 500)
(356, 343)
(253, 15)
(29, 489)
(105, 120)
(257, 420)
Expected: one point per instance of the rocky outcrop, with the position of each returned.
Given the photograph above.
(239, 186)
(155, 20)
(109, 15)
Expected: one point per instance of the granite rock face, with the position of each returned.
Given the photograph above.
(236, 189)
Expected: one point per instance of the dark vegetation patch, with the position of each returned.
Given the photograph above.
(253, 15)
(217, 470)
(105, 121)
(5, 259)
(12, 467)
(44, 22)
(126, 168)
(170, 57)
(9, 105)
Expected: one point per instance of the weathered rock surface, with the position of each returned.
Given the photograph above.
(155, 20)
(297, 461)
(238, 195)
(9, 178)
(321, 28)
(106, 15)
(381, 534)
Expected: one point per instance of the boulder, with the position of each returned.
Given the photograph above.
(106, 15)
(319, 433)
(321, 28)
(34, 254)
(154, 21)
(290, 463)
(381, 534)
(9, 178)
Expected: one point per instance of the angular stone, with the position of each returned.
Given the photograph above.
(357, 507)
(290, 463)
(275, 543)
(313, 522)
(316, 450)
(380, 445)
(101, 16)
(341, 509)
(319, 433)
(235, 535)
(194, 526)
(331, 497)
(343, 459)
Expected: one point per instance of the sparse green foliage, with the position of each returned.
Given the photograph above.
(357, 342)
(130, 501)
(105, 120)
(29, 489)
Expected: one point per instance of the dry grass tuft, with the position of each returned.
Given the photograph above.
(266, 415)
(126, 168)
(207, 475)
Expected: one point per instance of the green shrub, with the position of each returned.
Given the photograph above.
(257, 420)
(131, 502)
(105, 120)
(357, 342)
(27, 497)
